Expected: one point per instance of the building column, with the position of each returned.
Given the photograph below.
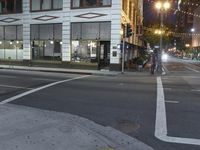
(26, 31)
(66, 44)
(115, 53)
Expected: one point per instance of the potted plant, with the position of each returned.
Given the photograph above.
(140, 63)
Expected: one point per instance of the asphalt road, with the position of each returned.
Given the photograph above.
(127, 102)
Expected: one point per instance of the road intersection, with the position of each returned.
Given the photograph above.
(162, 112)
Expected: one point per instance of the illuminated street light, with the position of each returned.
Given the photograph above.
(158, 5)
(159, 32)
(193, 30)
(187, 45)
(166, 5)
(161, 7)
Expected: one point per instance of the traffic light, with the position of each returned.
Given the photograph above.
(128, 30)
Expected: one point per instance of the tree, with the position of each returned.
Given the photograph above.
(154, 39)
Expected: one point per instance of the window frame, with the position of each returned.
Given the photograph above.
(97, 5)
(51, 9)
(14, 8)
(53, 24)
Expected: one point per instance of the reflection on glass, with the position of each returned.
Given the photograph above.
(46, 49)
(84, 51)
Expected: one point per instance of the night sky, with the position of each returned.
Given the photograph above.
(151, 15)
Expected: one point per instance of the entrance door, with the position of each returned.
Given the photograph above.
(104, 54)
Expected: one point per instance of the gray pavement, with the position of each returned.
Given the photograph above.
(123, 104)
(25, 128)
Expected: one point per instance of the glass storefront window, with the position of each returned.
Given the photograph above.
(90, 3)
(84, 51)
(46, 49)
(11, 44)
(2, 50)
(46, 41)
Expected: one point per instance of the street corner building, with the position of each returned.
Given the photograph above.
(78, 32)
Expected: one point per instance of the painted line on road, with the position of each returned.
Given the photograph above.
(173, 102)
(195, 90)
(40, 88)
(161, 120)
(7, 76)
(43, 79)
(15, 87)
(192, 69)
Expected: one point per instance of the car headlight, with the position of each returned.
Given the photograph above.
(164, 56)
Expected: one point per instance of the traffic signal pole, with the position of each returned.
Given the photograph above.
(123, 54)
(127, 33)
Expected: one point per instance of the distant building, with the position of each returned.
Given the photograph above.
(184, 21)
(196, 35)
(196, 25)
(73, 31)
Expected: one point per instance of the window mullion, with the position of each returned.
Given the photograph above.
(97, 2)
(41, 2)
(6, 10)
(14, 8)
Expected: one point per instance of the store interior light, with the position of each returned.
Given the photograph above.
(11, 42)
(51, 42)
(0, 42)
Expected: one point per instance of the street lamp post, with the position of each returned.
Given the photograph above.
(161, 6)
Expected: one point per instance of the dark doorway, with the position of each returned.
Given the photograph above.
(104, 54)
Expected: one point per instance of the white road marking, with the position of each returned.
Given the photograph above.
(161, 122)
(173, 102)
(191, 69)
(7, 76)
(195, 90)
(43, 79)
(15, 87)
(38, 89)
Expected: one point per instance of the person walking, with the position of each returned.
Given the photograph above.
(153, 63)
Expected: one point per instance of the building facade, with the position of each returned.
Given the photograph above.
(196, 36)
(184, 21)
(71, 31)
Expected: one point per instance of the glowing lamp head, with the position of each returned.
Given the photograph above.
(166, 5)
(158, 5)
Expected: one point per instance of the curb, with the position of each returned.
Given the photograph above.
(60, 70)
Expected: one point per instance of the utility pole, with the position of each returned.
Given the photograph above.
(159, 68)
(161, 6)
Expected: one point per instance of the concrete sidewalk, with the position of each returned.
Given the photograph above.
(62, 70)
(25, 128)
